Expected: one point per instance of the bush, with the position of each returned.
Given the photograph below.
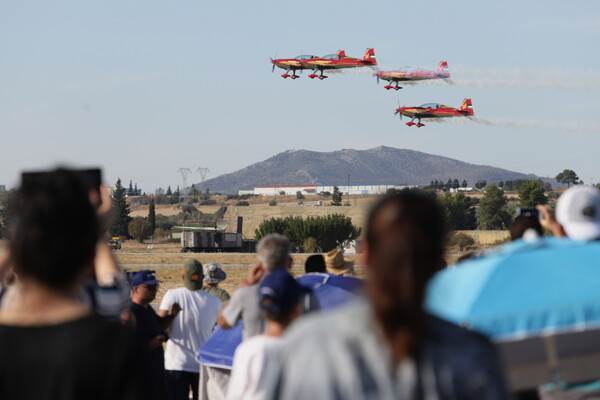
(139, 229)
(461, 240)
(208, 202)
(309, 245)
(272, 203)
(242, 203)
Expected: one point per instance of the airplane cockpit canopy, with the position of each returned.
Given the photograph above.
(431, 105)
(330, 57)
(305, 57)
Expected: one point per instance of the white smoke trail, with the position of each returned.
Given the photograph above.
(529, 124)
(586, 80)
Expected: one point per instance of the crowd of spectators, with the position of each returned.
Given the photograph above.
(68, 332)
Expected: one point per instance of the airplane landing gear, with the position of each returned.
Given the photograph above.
(313, 75)
(388, 87)
(418, 124)
(293, 76)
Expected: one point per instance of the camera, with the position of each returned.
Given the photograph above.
(529, 212)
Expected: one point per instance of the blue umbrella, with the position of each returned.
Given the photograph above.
(331, 290)
(539, 301)
(522, 289)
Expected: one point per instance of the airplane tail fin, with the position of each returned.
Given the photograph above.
(442, 69)
(370, 56)
(467, 107)
(341, 54)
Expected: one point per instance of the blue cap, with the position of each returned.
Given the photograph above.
(279, 291)
(144, 277)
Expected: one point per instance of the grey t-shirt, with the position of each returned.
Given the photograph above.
(244, 305)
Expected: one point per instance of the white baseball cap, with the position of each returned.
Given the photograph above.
(578, 211)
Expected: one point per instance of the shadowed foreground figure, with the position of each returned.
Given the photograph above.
(383, 346)
(52, 346)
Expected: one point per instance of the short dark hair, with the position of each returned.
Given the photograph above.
(405, 234)
(283, 317)
(315, 263)
(55, 228)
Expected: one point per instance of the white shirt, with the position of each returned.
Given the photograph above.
(251, 359)
(191, 327)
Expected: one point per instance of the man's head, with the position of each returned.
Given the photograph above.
(55, 229)
(279, 295)
(274, 251)
(144, 286)
(315, 263)
(192, 274)
(404, 248)
(213, 273)
(578, 211)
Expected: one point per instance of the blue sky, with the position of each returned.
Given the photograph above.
(144, 88)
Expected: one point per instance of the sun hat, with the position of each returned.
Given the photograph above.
(279, 291)
(578, 211)
(337, 264)
(192, 274)
(213, 273)
(144, 277)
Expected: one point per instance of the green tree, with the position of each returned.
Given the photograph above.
(568, 176)
(493, 212)
(531, 193)
(309, 245)
(501, 184)
(480, 184)
(329, 231)
(139, 229)
(464, 183)
(336, 197)
(121, 211)
(152, 215)
(169, 192)
(459, 211)
(299, 195)
(130, 190)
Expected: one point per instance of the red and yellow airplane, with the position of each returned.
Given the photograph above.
(338, 61)
(292, 64)
(434, 110)
(410, 75)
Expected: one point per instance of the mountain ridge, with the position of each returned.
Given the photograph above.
(380, 165)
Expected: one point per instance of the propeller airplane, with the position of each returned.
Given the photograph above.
(412, 75)
(291, 64)
(338, 61)
(433, 111)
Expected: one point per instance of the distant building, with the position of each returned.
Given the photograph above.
(137, 192)
(273, 190)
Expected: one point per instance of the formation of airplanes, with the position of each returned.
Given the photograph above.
(408, 75)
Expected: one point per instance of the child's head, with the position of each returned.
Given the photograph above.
(279, 296)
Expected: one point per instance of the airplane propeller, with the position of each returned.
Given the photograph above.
(273, 69)
(398, 112)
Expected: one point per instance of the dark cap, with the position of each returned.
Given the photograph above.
(192, 274)
(279, 291)
(144, 277)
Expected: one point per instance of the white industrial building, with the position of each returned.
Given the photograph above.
(273, 190)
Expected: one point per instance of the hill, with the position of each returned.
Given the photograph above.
(381, 165)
